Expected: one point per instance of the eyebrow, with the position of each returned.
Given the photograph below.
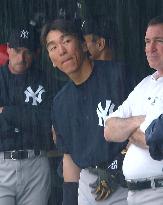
(161, 37)
(49, 43)
(155, 38)
(61, 38)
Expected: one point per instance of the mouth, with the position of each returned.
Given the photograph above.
(21, 64)
(151, 57)
(66, 60)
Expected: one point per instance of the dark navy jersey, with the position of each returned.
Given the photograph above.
(26, 99)
(79, 112)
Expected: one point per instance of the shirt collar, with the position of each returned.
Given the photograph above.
(155, 76)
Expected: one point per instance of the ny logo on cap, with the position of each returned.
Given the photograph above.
(24, 34)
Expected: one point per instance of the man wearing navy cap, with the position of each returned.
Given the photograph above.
(100, 34)
(25, 125)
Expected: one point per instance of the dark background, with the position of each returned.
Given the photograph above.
(131, 17)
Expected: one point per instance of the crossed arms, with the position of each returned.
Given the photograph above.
(120, 129)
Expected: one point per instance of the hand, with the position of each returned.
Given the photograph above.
(54, 135)
(140, 119)
(1, 109)
(138, 138)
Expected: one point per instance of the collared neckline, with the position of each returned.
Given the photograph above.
(155, 76)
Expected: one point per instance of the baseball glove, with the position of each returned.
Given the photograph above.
(108, 179)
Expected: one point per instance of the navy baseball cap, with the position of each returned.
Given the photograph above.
(154, 138)
(24, 36)
(100, 26)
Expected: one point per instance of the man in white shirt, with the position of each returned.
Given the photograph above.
(143, 174)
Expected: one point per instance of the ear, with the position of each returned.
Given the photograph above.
(100, 43)
(8, 48)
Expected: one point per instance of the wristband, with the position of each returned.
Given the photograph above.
(70, 193)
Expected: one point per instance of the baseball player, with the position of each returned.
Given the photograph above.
(80, 108)
(100, 35)
(25, 125)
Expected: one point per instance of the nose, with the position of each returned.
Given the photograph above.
(61, 49)
(21, 56)
(151, 47)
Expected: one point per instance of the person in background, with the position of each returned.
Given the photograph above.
(25, 124)
(101, 40)
(100, 34)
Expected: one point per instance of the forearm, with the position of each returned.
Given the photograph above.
(4, 126)
(27, 118)
(71, 172)
(1, 109)
(54, 135)
(138, 138)
(119, 129)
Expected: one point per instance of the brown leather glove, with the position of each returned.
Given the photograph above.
(104, 186)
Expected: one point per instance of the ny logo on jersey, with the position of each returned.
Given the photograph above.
(24, 34)
(102, 113)
(36, 96)
(114, 165)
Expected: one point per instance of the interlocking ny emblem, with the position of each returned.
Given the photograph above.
(24, 34)
(36, 96)
(102, 113)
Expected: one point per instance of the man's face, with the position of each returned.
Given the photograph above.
(65, 51)
(154, 46)
(20, 59)
(92, 46)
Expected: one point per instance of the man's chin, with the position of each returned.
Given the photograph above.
(153, 65)
(20, 69)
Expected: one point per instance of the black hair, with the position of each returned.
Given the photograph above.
(63, 25)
